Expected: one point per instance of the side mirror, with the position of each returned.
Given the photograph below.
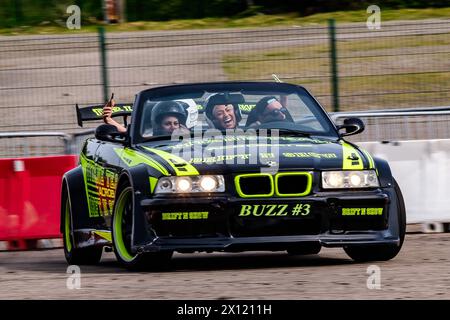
(351, 126)
(108, 132)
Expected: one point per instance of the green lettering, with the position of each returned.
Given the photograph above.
(98, 111)
(283, 209)
(347, 212)
(271, 209)
(255, 211)
(306, 209)
(245, 210)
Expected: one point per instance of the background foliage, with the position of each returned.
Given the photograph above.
(42, 12)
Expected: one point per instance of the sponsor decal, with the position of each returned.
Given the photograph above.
(193, 215)
(352, 160)
(362, 211)
(245, 138)
(310, 155)
(100, 186)
(99, 111)
(246, 108)
(263, 155)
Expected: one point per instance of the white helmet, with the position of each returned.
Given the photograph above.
(191, 110)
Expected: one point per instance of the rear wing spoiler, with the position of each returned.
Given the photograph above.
(95, 112)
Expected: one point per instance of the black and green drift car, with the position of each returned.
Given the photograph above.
(250, 166)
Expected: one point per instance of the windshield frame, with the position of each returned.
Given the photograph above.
(201, 88)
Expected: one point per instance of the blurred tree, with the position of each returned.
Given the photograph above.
(18, 11)
(31, 12)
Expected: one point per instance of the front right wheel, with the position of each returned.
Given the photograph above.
(121, 225)
(382, 252)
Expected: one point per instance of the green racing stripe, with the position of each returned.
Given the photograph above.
(133, 158)
(153, 182)
(369, 158)
(178, 164)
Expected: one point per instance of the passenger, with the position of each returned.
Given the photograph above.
(168, 116)
(107, 116)
(221, 112)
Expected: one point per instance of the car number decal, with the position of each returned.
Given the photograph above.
(275, 210)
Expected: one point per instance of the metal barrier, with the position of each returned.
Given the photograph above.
(76, 142)
(28, 144)
(41, 143)
(381, 125)
(400, 124)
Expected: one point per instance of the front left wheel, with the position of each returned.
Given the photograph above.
(122, 223)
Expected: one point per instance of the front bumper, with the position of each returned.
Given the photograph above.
(225, 230)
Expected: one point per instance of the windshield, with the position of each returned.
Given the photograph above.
(230, 106)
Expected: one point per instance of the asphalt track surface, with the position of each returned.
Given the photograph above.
(420, 271)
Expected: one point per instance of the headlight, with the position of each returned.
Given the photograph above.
(349, 179)
(211, 183)
(183, 185)
(208, 183)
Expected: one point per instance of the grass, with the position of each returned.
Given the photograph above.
(374, 73)
(259, 20)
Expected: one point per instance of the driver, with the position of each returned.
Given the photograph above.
(268, 109)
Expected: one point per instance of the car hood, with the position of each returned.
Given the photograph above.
(244, 154)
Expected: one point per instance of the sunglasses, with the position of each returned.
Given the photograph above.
(275, 112)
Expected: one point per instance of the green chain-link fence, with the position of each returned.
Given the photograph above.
(400, 65)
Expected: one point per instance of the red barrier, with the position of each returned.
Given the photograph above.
(30, 198)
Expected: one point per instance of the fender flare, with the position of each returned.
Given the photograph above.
(384, 173)
(73, 181)
(138, 178)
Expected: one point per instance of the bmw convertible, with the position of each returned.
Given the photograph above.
(274, 173)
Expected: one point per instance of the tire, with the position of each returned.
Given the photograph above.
(306, 249)
(382, 252)
(76, 256)
(121, 226)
